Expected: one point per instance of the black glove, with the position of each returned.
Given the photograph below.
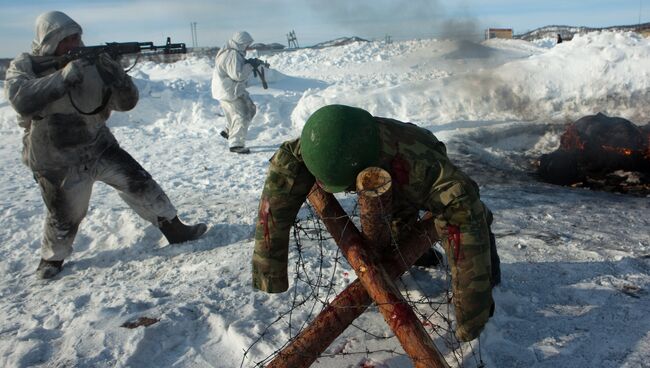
(111, 71)
(255, 62)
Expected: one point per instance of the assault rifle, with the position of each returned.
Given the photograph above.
(113, 49)
(256, 63)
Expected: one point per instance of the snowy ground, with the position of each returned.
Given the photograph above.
(575, 263)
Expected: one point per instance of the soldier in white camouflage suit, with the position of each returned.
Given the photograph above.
(229, 82)
(68, 146)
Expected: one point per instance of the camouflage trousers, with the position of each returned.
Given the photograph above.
(66, 192)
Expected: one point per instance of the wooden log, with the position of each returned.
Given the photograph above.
(352, 302)
(374, 187)
(383, 291)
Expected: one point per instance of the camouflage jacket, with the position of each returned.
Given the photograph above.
(423, 179)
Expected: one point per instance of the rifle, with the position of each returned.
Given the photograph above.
(113, 49)
(256, 63)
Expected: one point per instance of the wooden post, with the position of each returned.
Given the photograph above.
(352, 302)
(374, 187)
(374, 278)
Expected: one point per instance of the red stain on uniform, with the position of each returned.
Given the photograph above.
(453, 237)
(263, 215)
(400, 169)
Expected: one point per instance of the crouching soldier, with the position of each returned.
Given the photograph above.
(68, 146)
(338, 142)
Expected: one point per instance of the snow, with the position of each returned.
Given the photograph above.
(575, 263)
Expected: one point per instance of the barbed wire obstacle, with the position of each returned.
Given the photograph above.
(409, 315)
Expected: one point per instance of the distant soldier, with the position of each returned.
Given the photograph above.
(68, 146)
(337, 142)
(229, 82)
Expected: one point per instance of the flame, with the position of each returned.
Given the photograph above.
(620, 150)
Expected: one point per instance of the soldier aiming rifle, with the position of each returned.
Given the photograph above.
(67, 144)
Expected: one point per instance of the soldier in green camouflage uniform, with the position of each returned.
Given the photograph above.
(423, 179)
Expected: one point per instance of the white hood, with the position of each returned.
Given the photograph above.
(51, 28)
(240, 41)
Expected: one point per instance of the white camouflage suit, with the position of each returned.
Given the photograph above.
(68, 151)
(229, 82)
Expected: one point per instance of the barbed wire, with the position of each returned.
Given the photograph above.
(313, 290)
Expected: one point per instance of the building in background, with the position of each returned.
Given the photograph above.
(498, 33)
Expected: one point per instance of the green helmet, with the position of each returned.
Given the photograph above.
(338, 142)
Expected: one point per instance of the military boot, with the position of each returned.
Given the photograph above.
(177, 232)
(48, 269)
(240, 149)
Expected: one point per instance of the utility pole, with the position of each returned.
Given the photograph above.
(640, 7)
(195, 40)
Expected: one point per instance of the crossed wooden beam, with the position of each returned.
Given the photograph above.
(374, 277)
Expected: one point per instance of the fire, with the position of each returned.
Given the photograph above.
(621, 150)
(594, 149)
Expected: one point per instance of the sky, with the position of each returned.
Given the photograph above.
(313, 21)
